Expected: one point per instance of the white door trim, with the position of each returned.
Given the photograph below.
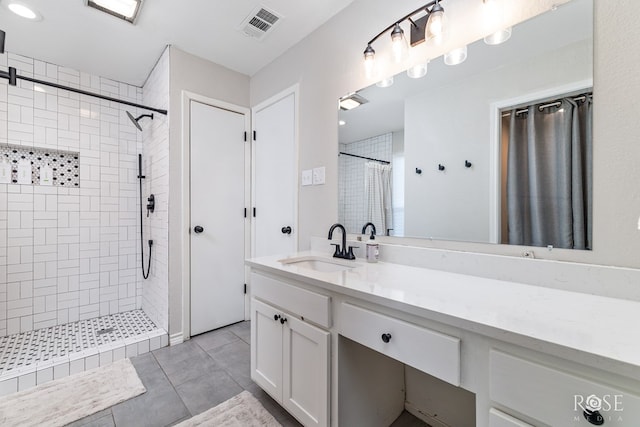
(185, 225)
(295, 90)
(495, 129)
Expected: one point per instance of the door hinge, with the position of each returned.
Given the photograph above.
(254, 135)
(254, 212)
(245, 288)
(245, 136)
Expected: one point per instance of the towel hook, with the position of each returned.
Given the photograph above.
(440, 167)
(467, 164)
(418, 171)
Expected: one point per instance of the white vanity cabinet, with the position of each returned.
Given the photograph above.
(290, 358)
(551, 396)
(360, 346)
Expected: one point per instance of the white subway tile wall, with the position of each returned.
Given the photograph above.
(68, 254)
(351, 201)
(155, 292)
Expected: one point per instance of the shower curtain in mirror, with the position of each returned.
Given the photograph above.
(377, 188)
(549, 175)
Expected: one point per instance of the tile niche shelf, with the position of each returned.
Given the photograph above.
(65, 164)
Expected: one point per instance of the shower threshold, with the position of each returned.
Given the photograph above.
(35, 357)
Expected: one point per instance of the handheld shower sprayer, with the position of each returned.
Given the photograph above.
(150, 208)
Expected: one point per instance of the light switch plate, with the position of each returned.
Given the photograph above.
(307, 177)
(318, 175)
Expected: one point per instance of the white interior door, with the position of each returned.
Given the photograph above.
(218, 202)
(275, 182)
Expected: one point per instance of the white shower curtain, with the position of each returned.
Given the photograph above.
(377, 188)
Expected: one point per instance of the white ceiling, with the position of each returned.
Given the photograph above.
(76, 36)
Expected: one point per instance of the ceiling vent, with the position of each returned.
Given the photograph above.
(259, 23)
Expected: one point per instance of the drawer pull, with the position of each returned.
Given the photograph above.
(386, 337)
(276, 317)
(282, 320)
(594, 417)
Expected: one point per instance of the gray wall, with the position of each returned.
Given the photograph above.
(193, 74)
(328, 64)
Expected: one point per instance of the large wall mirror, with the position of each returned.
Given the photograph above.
(493, 150)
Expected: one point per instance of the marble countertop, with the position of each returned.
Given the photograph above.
(594, 324)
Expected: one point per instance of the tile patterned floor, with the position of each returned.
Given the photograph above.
(31, 347)
(189, 378)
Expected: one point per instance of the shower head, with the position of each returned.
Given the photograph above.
(134, 120)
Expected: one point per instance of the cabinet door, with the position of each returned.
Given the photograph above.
(306, 372)
(266, 348)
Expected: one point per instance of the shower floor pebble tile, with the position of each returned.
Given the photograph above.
(24, 352)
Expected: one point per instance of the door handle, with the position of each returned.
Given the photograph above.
(198, 229)
(286, 230)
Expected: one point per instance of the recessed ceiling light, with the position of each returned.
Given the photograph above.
(351, 101)
(22, 10)
(123, 9)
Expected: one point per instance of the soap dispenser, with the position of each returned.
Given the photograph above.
(373, 250)
(46, 175)
(24, 172)
(5, 171)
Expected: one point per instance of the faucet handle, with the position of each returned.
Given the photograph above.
(350, 254)
(336, 253)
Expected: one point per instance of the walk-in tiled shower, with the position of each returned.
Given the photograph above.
(70, 254)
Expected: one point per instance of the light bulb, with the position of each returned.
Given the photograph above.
(498, 37)
(398, 44)
(417, 71)
(456, 56)
(385, 82)
(436, 24)
(369, 61)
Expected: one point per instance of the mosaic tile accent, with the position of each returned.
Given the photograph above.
(65, 164)
(27, 348)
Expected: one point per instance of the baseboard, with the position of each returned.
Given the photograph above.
(175, 339)
(433, 422)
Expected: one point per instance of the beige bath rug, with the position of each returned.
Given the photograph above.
(242, 410)
(69, 399)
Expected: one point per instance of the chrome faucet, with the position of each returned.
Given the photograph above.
(373, 229)
(341, 252)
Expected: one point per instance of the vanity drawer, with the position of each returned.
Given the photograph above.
(500, 419)
(555, 397)
(307, 304)
(429, 351)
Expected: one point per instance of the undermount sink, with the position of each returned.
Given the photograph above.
(317, 263)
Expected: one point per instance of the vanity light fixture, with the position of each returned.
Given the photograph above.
(126, 10)
(351, 101)
(22, 9)
(430, 27)
(456, 56)
(399, 44)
